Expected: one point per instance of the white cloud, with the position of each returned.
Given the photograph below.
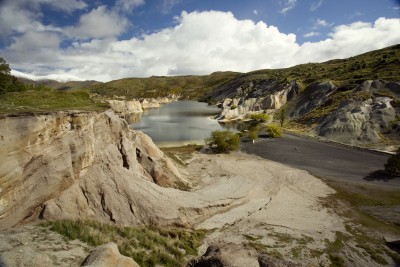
(193, 46)
(57, 77)
(311, 34)
(315, 5)
(98, 23)
(167, 5)
(287, 5)
(321, 23)
(128, 5)
(353, 39)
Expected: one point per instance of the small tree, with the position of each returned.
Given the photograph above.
(223, 141)
(4, 67)
(393, 164)
(282, 115)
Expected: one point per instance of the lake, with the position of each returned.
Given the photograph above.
(177, 123)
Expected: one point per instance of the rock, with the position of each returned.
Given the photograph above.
(81, 166)
(313, 97)
(108, 255)
(238, 108)
(266, 261)
(212, 258)
(358, 122)
(125, 107)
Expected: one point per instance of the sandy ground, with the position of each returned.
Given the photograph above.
(271, 206)
(246, 203)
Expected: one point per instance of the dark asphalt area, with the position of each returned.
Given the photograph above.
(325, 160)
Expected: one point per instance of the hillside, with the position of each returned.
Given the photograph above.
(345, 73)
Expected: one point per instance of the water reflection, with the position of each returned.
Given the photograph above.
(177, 122)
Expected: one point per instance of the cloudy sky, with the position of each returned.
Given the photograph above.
(105, 40)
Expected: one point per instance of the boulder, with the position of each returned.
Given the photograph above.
(107, 255)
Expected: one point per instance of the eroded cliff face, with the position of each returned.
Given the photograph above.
(79, 165)
(238, 108)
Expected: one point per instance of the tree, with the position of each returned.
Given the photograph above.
(4, 67)
(393, 164)
(282, 115)
(223, 141)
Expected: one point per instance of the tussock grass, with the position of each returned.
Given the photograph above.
(148, 246)
(47, 100)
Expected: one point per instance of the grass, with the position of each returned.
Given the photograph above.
(148, 246)
(47, 100)
(363, 229)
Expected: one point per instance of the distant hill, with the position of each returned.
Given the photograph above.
(62, 86)
(346, 73)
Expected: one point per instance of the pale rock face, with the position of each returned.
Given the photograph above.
(122, 106)
(354, 122)
(237, 108)
(108, 255)
(78, 165)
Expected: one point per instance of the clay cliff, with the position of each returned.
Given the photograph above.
(80, 165)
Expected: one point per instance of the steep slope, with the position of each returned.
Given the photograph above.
(79, 165)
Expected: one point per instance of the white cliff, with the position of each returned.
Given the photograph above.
(79, 165)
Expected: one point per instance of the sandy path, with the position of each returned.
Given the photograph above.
(276, 204)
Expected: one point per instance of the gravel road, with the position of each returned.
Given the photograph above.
(325, 160)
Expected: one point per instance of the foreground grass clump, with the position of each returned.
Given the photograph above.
(47, 100)
(148, 246)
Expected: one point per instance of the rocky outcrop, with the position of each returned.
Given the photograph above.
(80, 166)
(107, 255)
(125, 107)
(359, 121)
(238, 108)
(311, 98)
(137, 106)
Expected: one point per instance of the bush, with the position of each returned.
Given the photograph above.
(393, 164)
(223, 141)
(233, 107)
(260, 117)
(273, 130)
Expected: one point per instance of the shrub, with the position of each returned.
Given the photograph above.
(260, 117)
(393, 164)
(273, 130)
(233, 106)
(223, 141)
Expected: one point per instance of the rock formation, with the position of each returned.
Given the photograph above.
(125, 107)
(107, 255)
(359, 121)
(237, 108)
(137, 106)
(79, 165)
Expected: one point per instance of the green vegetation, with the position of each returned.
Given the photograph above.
(273, 130)
(282, 115)
(16, 96)
(262, 117)
(193, 87)
(47, 100)
(147, 246)
(223, 141)
(364, 230)
(393, 164)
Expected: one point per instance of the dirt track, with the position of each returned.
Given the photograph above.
(325, 160)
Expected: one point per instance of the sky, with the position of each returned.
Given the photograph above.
(105, 40)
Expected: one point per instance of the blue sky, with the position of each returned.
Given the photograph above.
(105, 40)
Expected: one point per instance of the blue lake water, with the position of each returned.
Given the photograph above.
(177, 123)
